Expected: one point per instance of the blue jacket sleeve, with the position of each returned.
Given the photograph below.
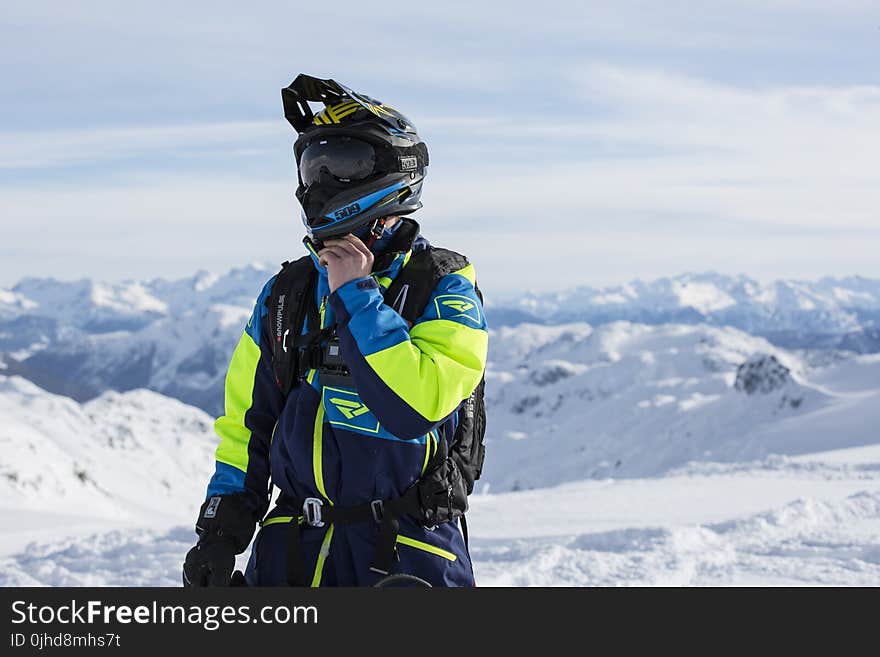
(252, 405)
(413, 378)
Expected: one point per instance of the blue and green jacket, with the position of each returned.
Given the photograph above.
(348, 446)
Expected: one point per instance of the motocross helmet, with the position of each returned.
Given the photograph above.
(357, 159)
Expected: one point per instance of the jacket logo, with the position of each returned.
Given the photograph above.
(459, 304)
(344, 410)
(458, 308)
(350, 408)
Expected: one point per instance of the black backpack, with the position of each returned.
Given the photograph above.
(444, 487)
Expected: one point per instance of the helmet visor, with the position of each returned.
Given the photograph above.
(343, 158)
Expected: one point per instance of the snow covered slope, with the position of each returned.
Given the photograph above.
(131, 456)
(103, 493)
(806, 521)
(679, 534)
(571, 402)
(668, 439)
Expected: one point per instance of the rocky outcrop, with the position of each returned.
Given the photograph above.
(761, 373)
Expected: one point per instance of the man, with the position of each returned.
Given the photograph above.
(360, 438)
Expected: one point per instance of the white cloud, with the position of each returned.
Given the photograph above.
(156, 227)
(793, 157)
(54, 148)
(774, 182)
(630, 138)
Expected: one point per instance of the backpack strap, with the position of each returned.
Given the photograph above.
(411, 289)
(409, 294)
(288, 304)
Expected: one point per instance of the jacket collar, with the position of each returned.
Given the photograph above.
(387, 264)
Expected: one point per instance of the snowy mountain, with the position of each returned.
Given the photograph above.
(175, 337)
(83, 338)
(572, 402)
(96, 308)
(129, 456)
(565, 403)
(620, 454)
(838, 312)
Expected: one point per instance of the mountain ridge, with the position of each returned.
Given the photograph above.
(80, 338)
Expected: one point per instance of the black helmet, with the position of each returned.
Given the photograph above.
(357, 160)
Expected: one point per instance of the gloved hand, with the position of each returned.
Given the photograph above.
(225, 526)
(210, 562)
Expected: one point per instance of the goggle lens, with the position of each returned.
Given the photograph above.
(343, 158)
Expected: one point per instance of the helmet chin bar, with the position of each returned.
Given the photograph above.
(332, 210)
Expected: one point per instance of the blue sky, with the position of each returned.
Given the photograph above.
(571, 142)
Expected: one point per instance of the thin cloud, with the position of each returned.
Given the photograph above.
(624, 138)
(792, 156)
(56, 148)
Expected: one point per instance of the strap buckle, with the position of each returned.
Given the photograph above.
(312, 511)
(378, 509)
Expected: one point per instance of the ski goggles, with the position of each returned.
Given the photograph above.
(344, 158)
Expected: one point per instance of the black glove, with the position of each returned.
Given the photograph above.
(442, 493)
(210, 562)
(225, 527)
